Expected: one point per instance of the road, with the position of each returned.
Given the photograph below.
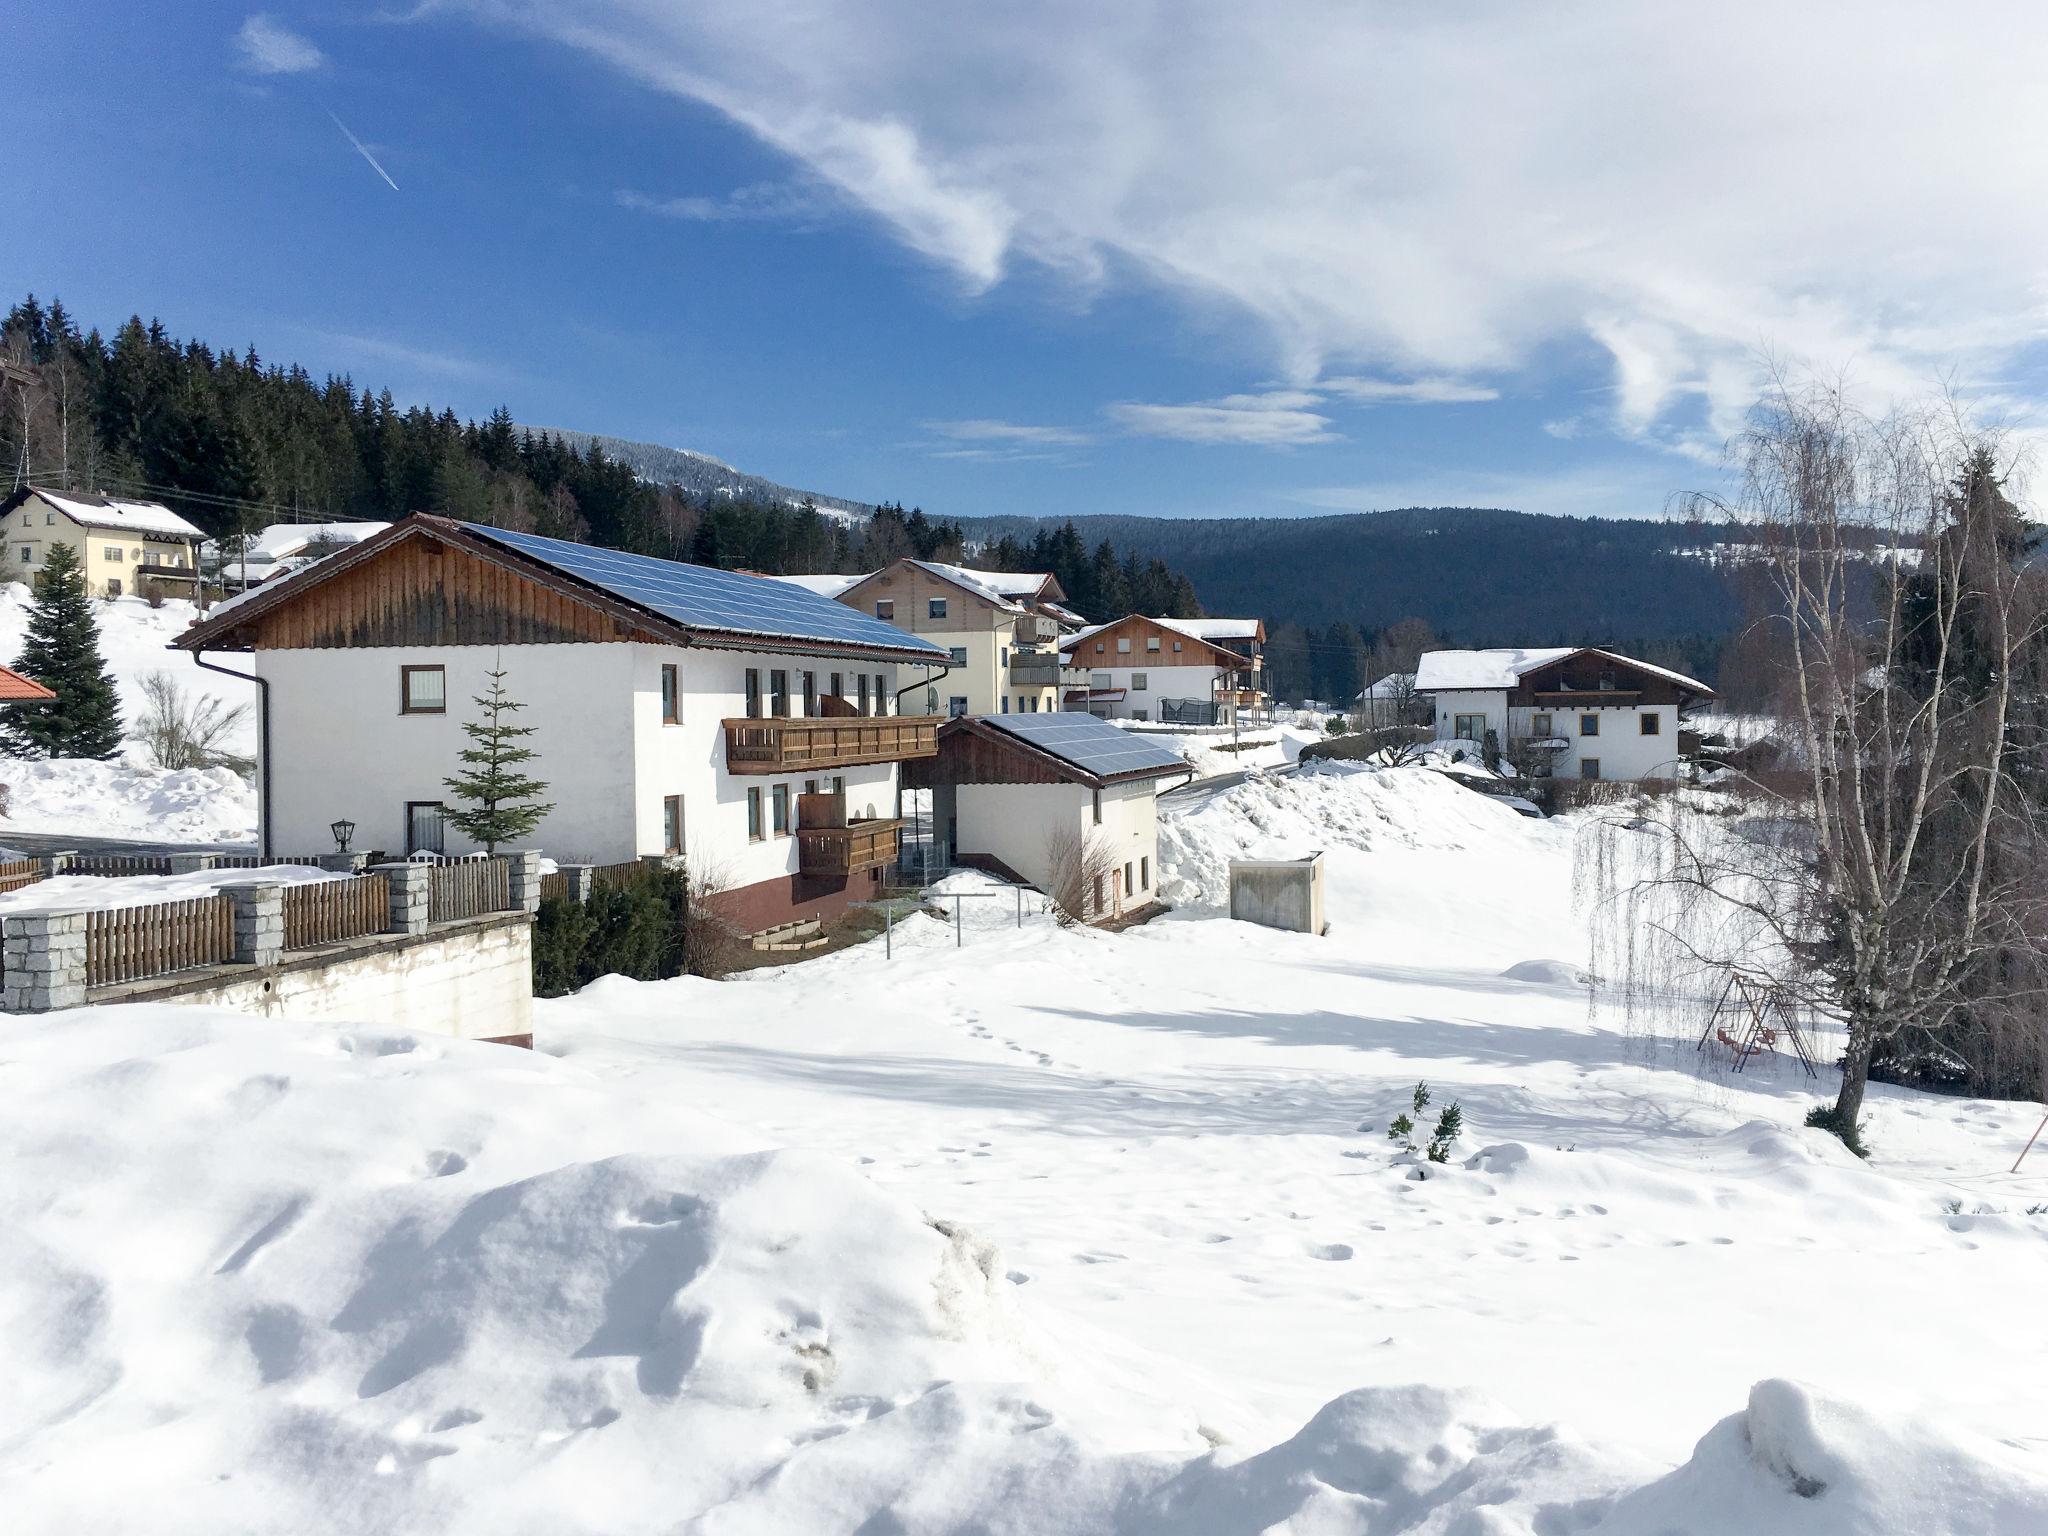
(52, 842)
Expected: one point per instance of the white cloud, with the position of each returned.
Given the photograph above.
(266, 46)
(1408, 391)
(767, 201)
(1276, 419)
(1425, 191)
(984, 430)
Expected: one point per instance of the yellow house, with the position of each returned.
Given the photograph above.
(124, 547)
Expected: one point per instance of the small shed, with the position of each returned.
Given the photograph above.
(1062, 800)
(1279, 893)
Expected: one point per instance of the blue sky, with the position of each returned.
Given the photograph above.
(1076, 259)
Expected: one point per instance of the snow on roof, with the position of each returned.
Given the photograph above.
(282, 540)
(144, 517)
(1214, 629)
(1482, 670)
(1064, 615)
(980, 583)
(824, 586)
(1393, 686)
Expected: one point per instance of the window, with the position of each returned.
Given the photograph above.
(753, 693)
(1006, 703)
(1469, 728)
(1095, 893)
(810, 786)
(1138, 681)
(1098, 647)
(885, 608)
(838, 783)
(778, 693)
(1539, 725)
(1145, 873)
(1151, 643)
(1130, 884)
(423, 690)
(1098, 680)
(958, 654)
(778, 809)
(113, 553)
(1589, 767)
(838, 687)
(672, 824)
(28, 554)
(935, 608)
(49, 519)
(754, 815)
(671, 695)
(810, 685)
(1589, 725)
(1123, 645)
(881, 696)
(1176, 645)
(1006, 655)
(1653, 723)
(1098, 807)
(863, 681)
(956, 706)
(423, 828)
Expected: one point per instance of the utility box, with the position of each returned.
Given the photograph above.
(1279, 893)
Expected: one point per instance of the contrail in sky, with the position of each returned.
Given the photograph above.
(365, 153)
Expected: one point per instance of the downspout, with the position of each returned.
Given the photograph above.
(262, 748)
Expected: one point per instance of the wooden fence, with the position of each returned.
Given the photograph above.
(554, 887)
(131, 943)
(470, 888)
(16, 873)
(255, 861)
(613, 877)
(115, 866)
(328, 911)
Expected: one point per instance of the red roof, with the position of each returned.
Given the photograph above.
(14, 688)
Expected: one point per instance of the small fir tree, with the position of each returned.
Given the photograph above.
(503, 804)
(62, 652)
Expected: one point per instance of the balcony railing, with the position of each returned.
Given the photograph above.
(1042, 669)
(1036, 629)
(794, 745)
(849, 850)
(1243, 698)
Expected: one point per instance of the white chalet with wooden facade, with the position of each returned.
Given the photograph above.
(745, 725)
(1180, 671)
(1575, 712)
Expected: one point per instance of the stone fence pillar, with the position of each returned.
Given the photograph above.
(412, 896)
(55, 864)
(259, 921)
(43, 954)
(581, 880)
(344, 863)
(524, 879)
(191, 863)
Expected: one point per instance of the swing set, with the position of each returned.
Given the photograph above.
(1754, 1016)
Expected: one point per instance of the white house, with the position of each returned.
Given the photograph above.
(742, 723)
(279, 550)
(1059, 800)
(1182, 671)
(1575, 712)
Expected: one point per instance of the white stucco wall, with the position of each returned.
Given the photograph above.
(1161, 682)
(474, 982)
(1017, 823)
(1620, 746)
(340, 747)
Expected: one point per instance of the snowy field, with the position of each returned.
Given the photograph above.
(1265, 746)
(1057, 1231)
(130, 798)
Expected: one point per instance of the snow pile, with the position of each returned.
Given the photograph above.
(1207, 754)
(77, 892)
(79, 798)
(1324, 806)
(264, 1276)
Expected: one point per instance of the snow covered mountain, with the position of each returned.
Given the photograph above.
(700, 473)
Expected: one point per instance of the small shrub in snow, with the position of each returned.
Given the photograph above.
(180, 730)
(1827, 1118)
(1450, 1125)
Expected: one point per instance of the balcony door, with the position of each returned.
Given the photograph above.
(424, 829)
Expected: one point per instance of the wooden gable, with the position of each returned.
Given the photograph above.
(970, 753)
(423, 591)
(1594, 679)
(1141, 631)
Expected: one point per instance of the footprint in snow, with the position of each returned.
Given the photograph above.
(1331, 1251)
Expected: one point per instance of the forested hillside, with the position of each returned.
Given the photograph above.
(235, 442)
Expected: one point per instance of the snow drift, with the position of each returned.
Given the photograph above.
(266, 1276)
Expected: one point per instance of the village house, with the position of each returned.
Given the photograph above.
(1565, 712)
(1179, 671)
(1001, 630)
(1062, 801)
(125, 548)
(742, 724)
(278, 550)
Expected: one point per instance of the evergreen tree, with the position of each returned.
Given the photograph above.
(62, 652)
(503, 803)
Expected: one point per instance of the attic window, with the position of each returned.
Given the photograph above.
(935, 608)
(1176, 645)
(1152, 643)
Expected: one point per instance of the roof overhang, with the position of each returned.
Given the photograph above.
(1073, 772)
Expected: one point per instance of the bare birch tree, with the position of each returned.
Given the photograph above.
(1897, 873)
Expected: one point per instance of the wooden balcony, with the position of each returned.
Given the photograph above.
(829, 844)
(1243, 698)
(803, 745)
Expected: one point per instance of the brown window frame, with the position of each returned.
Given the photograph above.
(405, 703)
(751, 692)
(1653, 724)
(778, 809)
(756, 823)
(1589, 725)
(671, 694)
(672, 820)
(1589, 767)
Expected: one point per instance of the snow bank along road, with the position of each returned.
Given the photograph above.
(1055, 1232)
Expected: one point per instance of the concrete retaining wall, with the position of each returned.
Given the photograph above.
(1278, 893)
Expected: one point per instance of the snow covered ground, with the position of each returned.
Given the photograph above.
(1056, 1231)
(1266, 746)
(76, 892)
(131, 798)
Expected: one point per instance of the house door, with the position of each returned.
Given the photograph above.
(113, 586)
(423, 829)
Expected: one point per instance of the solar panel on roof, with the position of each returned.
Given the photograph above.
(708, 598)
(1092, 745)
